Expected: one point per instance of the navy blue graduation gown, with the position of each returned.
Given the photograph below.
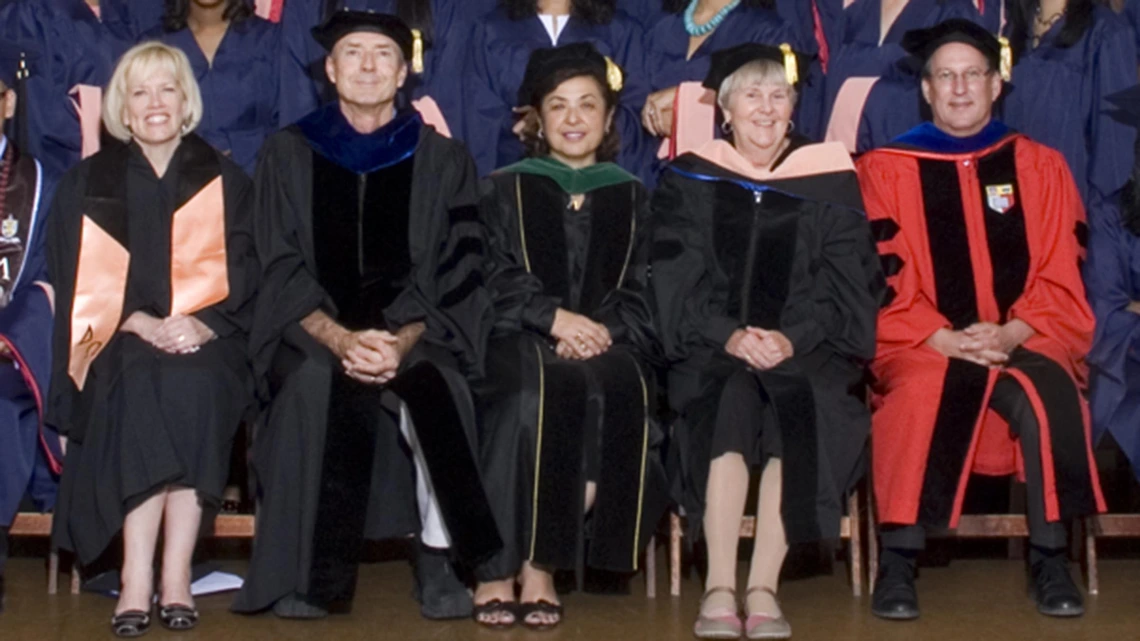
(304, 85)
(667, 47)
(66, 46)
(1112, 278)
(29, 455)
(858, 52)
(497, 59)
(645, 12)
(1058, 99)
(240, 88)
(1132, 13)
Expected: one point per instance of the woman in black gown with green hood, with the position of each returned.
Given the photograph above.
(569, 444)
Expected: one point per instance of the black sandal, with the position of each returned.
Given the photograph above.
(500, 607)
(178, 617)
(542, 606)
(130, 624)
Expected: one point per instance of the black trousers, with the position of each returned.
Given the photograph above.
(1011, 403)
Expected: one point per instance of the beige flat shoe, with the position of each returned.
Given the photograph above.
(723, 625)
(766, 626)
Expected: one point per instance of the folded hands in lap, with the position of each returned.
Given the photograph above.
(762, 349)
(177, 334)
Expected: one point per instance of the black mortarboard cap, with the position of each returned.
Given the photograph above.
(725, 62)
(341, 23)
(580, 57)
(922, 43)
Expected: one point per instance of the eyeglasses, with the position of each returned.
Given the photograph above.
(971, 77)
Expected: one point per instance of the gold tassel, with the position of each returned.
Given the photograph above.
(1006, 59)
(417, 51)
(613, 75)
(791, 68)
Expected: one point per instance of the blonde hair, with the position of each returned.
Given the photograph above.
(143, 59)
(757, 72)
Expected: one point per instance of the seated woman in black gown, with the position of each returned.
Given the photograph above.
(568, 439)
(766, 284)
(154, 269)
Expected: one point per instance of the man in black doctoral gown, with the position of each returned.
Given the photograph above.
(371, 315)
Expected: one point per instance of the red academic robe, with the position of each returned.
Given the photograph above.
(986, 230)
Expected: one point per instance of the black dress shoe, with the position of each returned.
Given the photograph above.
(1053, 588)
(440, 592)
(294, 606)
(895, 597)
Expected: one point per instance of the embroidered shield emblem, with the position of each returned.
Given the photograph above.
(10, 227)
(1000, 198)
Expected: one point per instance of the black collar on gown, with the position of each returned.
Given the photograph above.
(330, 135)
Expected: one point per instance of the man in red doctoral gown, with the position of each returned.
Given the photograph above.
(982, 337)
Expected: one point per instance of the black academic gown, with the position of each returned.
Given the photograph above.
(321, 491)
(791, 252)
(549, 425)
(145, 419)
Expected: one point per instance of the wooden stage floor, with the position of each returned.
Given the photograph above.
(970, 599)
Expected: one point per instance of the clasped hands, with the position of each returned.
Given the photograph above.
(579, 338)
(987, 344)
(762, 349)
(176, 334)
(370, 356)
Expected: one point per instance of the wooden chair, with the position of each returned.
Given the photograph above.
(225, 526)
(1107, 526)
(984, 526)
(850, 528)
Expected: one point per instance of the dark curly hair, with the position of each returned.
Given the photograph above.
(177, 11)
(677, 6)
(537, 147)
(592, 11)
(1078, 19)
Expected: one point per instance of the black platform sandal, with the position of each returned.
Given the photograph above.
(130, 624)
(500, 607)
(542, 606)
(177, 616)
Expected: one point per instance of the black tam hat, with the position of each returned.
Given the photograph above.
(578, 59)
(726, 62)
(922, 43)
(342, 23)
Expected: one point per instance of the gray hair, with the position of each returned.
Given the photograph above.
(757, 72)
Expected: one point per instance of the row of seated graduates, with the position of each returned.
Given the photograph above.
(265, 71)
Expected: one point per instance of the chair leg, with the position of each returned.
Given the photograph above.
(872, 540)
(74, 577)
(53, 572)
(855, 544)
(651, 569)
(675, 533)
(1090, 557)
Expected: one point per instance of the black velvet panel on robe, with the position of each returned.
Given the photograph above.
(308, 540)
(727, 253)
(146, 419)
(549, 425)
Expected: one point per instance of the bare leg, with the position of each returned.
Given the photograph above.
(591, 495)
(771, 543)
(183, 517)
(140, 535)
(724, 509)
